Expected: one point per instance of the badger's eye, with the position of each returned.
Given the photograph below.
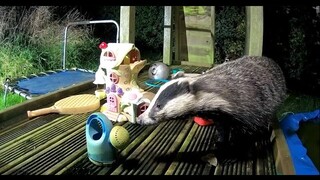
(158, 106)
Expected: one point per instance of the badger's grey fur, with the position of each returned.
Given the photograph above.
(240, 96)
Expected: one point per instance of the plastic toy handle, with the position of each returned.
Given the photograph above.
(42, 111)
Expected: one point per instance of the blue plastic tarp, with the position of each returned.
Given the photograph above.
(54, 81)
(290, 125)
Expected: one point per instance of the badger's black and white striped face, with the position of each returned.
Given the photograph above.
(172, 100)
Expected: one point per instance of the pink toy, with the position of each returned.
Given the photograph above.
(119, 66)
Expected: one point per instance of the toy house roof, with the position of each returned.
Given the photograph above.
(120, 50)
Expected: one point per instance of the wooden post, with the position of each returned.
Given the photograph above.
(167, 36)
(199, 25)
(180, 36)
(213, 36)
(254, 31)
(176, 35)
(127, 24)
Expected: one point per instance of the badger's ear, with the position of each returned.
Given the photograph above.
(177, 75)
(185, 85)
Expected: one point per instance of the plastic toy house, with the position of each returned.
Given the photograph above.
(119, 66)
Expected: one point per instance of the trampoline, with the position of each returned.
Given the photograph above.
(53, 80)
(46, 82)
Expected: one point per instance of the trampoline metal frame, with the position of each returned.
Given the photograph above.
(10, 86)
(83, 23)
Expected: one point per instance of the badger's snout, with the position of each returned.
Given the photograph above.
(144, 119)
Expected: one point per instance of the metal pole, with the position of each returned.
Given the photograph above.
(6, 84)
(83, 23)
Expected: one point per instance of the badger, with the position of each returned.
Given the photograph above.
(240, 96)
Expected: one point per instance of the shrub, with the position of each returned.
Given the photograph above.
(32, 39)
(230, 32)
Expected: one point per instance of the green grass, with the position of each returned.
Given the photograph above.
(10, 100)
(299, 103)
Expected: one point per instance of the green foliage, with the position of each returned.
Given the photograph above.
(105, 32)
(298, 103)
(296, 56)
(230, 32)
(10, 99)
(16, 61)
(149, 27)
(33, 41)
(83, 53)
(292, 38)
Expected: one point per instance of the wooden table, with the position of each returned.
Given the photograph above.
(56, 144)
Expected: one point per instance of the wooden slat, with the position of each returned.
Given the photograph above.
(173, 167)
(33, 165)
(169, 148)
(72, 164)
(283, 161)
(23, 128)
(14, 148)
(254, 30)
(159, 170)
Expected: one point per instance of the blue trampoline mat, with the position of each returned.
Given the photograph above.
(54, 81)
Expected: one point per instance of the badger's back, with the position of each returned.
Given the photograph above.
(253, 86)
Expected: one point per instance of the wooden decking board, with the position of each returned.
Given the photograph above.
(137, 134)
(65, 162)
(39, 161)
(205, 144)
(153, 148)
(164, 149)
(24, 129)
(174, 165)
(9, 134)
(63, 151)
(70, 147)
(78, 167)
(56, 144)
(26, 147)
(193, 147)
(68, 166)
(270, 161)
(172, 148)
(261, 164)
(52, 155)
(142, 135)
(196, 149)
(162, 166)
(36, 137)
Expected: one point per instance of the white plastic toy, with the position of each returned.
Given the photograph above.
(119, 66)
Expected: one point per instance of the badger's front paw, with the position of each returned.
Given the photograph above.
(210, 159)
(218, 159)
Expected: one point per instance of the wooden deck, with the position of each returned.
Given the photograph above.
(55, 144)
